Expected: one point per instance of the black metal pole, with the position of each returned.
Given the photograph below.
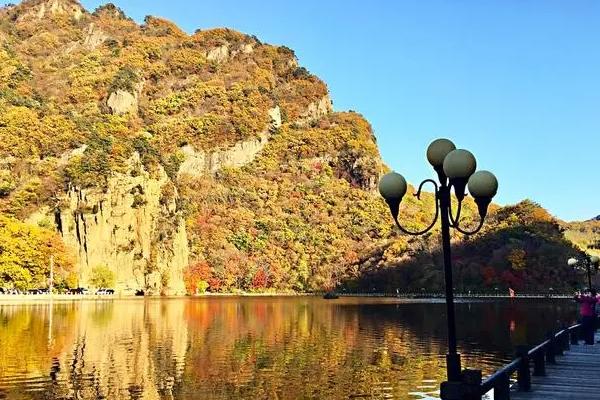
(452, 358)
(589, 274)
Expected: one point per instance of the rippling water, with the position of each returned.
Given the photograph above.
(254, 348)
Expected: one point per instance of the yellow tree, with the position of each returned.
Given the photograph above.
(25, 252)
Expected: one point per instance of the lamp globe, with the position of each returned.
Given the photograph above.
(392, 186)
(438, 150)
(459, 163)
(483, 184)
(571, 262)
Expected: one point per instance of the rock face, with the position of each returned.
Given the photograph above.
(316, 110)
(198, 163)
(275, 114)
(94, 37)
(133, 227)
(41, 9)
(218, 54)
(122, 102)
(248, 48)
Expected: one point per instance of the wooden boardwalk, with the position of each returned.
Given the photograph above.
(576, 375)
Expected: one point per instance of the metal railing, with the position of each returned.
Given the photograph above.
(439, 295)
(540, 355)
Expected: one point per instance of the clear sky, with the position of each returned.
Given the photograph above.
(515, 81)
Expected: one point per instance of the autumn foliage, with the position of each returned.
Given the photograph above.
(303, 215)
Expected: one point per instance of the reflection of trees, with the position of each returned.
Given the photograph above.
(294, 349)
(28, 346)
(122, 350)
(283, 349)
(254, 348)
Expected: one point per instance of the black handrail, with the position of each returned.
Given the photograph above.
(540, 354)
(491, 381)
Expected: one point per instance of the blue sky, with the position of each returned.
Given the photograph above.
(516, 82)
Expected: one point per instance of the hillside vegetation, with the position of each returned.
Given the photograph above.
(585, 234)
(210, 161)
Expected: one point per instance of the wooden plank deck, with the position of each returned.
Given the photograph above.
(576, 375)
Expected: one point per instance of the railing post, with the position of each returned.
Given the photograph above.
(523, 373)
(565, 339)
(539, 363)
(550, 349)
(502, 388)
(574, 336)
(472, 384)
(558, 346)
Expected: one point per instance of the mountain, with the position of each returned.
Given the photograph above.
(521, 247)
(585, 234)
(149, 159)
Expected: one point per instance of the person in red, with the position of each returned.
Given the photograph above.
(587, 310)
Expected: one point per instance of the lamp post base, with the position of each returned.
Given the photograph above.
(453, 367)
(468, 388)
(452, 389)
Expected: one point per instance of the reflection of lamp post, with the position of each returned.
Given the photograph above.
(455, 169)
(587, 263)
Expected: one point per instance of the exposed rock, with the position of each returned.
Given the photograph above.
(361, 173)
(38, 10)
(315, 111)
(132, 228)
(275, 114)
(73, 153)
(243, 48)
(198, 163)
(94, 37)
(110, 11)
(218, 54)
(247, 48)
(123, 102)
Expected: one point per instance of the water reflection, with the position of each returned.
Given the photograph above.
(263, 348)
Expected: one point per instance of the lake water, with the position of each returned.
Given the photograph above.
(255, 348)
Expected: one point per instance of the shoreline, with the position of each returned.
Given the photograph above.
(28, 299)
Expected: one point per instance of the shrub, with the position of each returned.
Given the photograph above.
(125, 79)
(102, 277)
(7, 183)
(202, 286)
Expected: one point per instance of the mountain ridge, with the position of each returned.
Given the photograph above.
(210, 161)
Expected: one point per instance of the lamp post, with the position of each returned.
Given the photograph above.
(588, 263)
(456, 170)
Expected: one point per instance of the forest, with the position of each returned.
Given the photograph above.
(82, 94)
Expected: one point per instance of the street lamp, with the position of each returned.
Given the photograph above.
(456, 170)
(586, 263)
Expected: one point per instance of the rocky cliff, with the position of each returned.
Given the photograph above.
(105, 124)
(206, 161)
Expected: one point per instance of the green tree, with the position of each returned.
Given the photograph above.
(102, 277)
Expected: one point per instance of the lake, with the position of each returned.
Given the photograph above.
(255, 348)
